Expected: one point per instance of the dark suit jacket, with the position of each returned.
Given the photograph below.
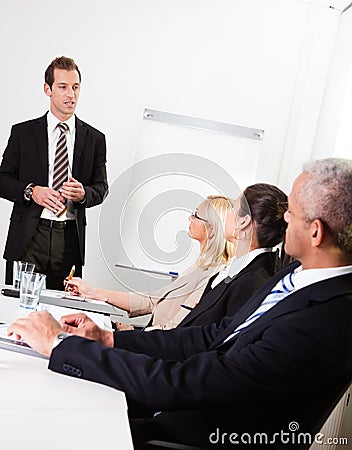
(290, 365)
(230, 295)
(25, 161)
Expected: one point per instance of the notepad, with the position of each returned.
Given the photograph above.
(58, 311)
(65, 295)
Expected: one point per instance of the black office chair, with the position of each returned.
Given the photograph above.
(163, 445)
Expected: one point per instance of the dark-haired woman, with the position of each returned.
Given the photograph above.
(255, 225)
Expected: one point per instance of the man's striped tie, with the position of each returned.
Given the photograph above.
(61, 159)
(284, 287)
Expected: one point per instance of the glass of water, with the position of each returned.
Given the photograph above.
(31, 286)
(18, 268)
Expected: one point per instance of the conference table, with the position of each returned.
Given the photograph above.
(42, 410)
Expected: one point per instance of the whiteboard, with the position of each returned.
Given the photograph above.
(144, 220)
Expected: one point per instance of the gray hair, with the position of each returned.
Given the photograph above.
(327, 195)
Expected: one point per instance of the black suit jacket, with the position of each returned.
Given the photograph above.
(290, 365)
(229, 296)
(25, 161)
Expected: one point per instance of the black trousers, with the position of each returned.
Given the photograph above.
(54, 249)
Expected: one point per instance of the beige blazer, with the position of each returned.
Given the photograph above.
(164, 304)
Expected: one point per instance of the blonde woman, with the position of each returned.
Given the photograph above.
(171, 304)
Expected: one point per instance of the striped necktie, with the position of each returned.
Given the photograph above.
(61, 159)
(281, 290)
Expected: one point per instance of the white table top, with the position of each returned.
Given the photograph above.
(8, 308)
(40, 409)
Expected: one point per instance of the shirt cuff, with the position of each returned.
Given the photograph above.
(59, 338)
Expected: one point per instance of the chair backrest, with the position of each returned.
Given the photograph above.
(332, 426)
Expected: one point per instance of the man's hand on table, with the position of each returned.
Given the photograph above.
(81, 325)
(38, 330)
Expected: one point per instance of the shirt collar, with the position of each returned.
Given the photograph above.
(53, 122)
(238, 264)
(303, 278)
(235, 265)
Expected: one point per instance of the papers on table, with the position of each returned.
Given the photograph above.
(58, 311)
(3, 331)
(66, 295)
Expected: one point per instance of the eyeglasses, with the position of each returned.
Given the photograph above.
(195, 216)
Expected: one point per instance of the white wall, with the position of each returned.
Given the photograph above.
(250, 62)
(333, 135)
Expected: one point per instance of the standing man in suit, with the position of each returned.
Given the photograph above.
(53, 168)
(269, 375)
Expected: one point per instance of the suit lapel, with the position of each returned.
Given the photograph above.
(316, 292)
(214, 295)
(81, 131)
(253, 302)
(208, 286)
(41, 144)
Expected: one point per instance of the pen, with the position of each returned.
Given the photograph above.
(187, 307)
(70, 275)
(58, 214)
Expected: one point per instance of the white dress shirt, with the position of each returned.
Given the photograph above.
(53, 136)
(302, 278)
(235, 265)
